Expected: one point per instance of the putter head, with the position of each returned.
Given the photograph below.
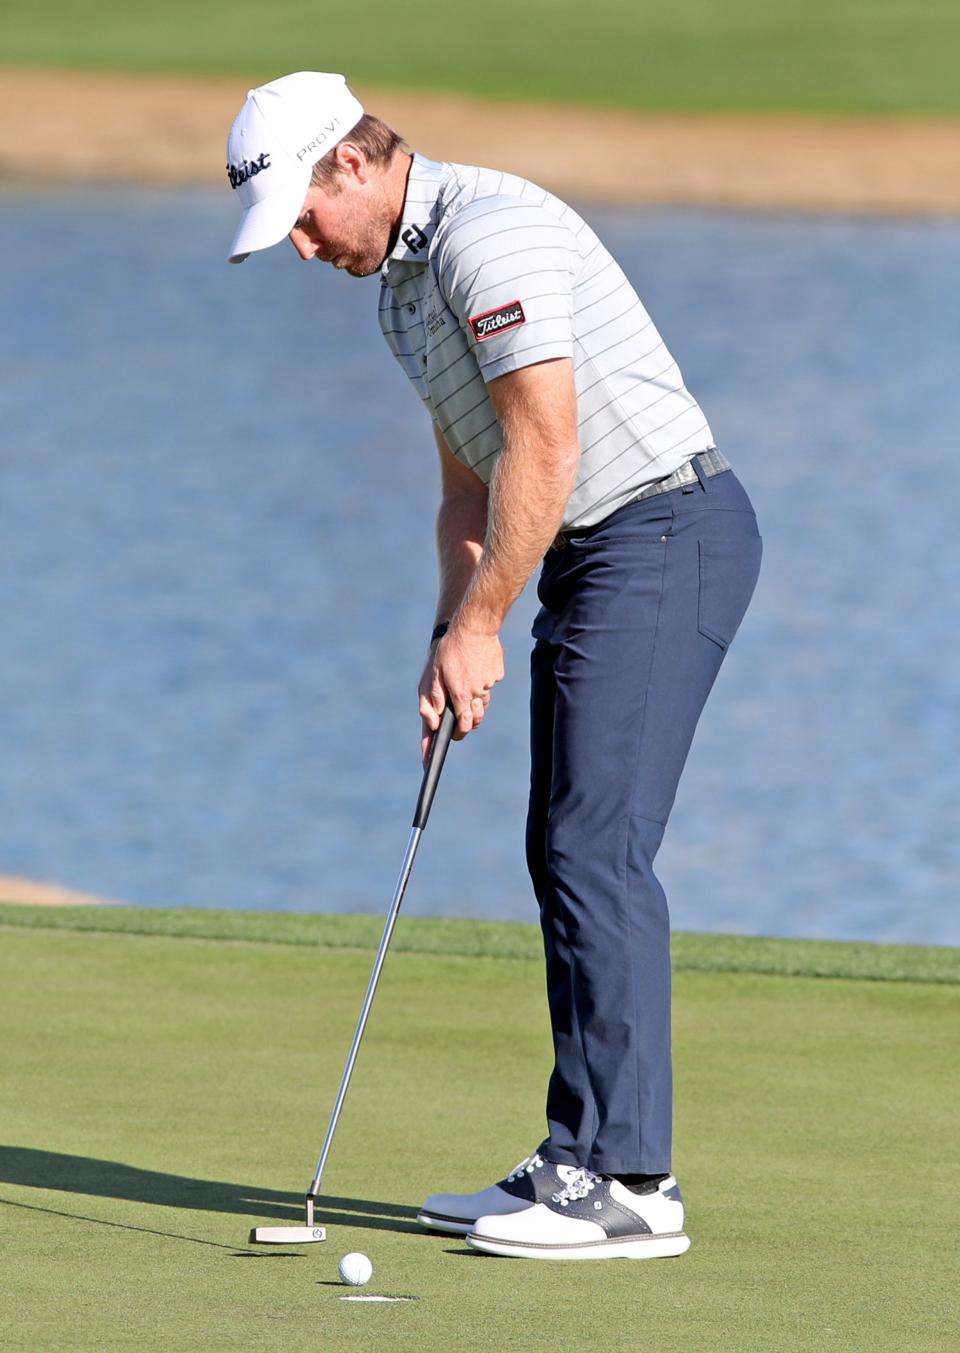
(287, 1235)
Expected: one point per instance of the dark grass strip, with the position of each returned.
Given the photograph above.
(496, 939)
(865, 56)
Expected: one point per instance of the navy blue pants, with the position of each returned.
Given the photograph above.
(636, 616)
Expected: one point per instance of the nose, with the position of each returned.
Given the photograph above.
(304, 245)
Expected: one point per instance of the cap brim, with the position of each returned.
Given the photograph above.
(270, 220)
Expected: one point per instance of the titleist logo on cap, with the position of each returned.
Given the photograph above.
(239, 173)
(495, 321)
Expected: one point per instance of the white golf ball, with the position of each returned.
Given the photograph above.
(355, 1269)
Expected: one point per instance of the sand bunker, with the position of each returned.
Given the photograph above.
(31, 892)
(171, 129)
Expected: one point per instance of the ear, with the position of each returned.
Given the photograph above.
(352, 161)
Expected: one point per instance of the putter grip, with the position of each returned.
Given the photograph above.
(431, 774)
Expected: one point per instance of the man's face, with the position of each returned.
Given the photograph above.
(349, 228)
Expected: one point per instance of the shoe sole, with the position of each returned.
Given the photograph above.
(621, 1247)
(435, 1221)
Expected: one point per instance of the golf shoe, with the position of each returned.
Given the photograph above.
(589, 1217)
(528, 1183)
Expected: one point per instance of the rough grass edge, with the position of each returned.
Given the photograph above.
(496, 939)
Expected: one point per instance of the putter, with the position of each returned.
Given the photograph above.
(301, 1235)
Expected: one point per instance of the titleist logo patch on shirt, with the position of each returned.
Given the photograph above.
(495, 321)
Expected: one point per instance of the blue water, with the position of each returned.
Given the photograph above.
(216, 576)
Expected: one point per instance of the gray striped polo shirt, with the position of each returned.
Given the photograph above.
(491, 273)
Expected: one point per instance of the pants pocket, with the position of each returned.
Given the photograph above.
(728, 575)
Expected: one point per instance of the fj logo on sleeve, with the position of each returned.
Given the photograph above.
(496, 321)
(414, 238)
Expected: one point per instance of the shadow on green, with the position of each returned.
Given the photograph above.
(37, 1169)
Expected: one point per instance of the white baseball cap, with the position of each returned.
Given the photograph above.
(280, 133)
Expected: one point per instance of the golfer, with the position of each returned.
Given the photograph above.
(567, 442)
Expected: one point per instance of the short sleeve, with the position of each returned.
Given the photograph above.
(506, 269)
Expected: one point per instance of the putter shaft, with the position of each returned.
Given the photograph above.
(414, 841)
(431, 775)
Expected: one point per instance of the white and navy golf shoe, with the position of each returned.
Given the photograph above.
(527, 1184)
(591, 1217)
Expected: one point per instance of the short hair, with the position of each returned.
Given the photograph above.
(377, 141)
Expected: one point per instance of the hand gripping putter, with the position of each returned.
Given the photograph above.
(300, 1235)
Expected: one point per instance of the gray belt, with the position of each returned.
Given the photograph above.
(711, 463)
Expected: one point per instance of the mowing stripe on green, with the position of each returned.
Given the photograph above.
(497, 939)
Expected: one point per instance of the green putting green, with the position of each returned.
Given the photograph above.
(855, 56)
(162, 1093)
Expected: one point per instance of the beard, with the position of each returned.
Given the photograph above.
(364, 252)
(363, 269)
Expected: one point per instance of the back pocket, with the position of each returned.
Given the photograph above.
(728, 574)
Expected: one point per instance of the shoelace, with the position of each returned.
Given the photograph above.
(577, 1186)
(526, 1166)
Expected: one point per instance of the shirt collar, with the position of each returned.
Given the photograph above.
(421, 213)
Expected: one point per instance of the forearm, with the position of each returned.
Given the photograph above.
(484, 570)
(461, 528)
(528, 494)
